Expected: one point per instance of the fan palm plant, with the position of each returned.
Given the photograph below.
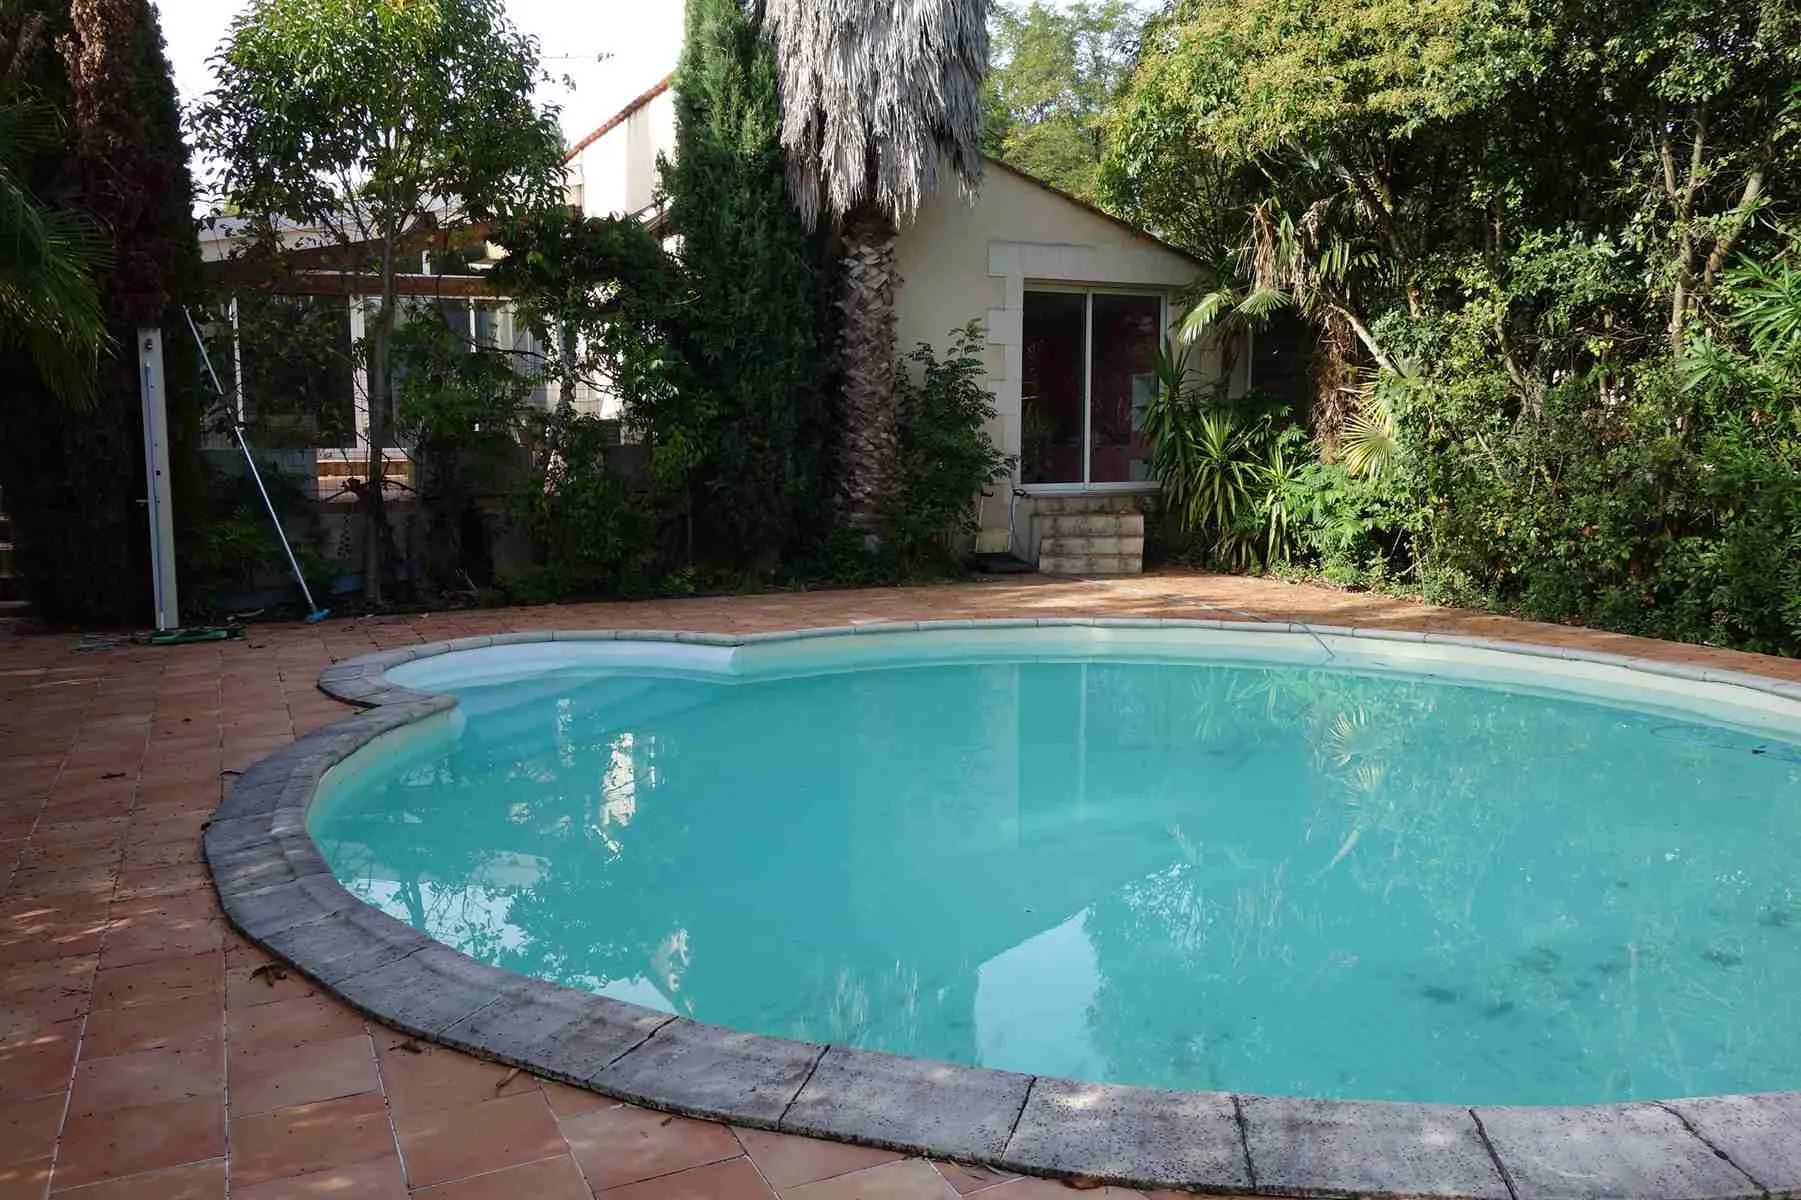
(876, 96)
(49, 305)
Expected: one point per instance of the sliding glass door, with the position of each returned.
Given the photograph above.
(1089, 370)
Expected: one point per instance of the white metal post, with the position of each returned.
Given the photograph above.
(159, 502)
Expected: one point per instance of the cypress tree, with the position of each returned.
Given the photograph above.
(756, 323)
(73, 479)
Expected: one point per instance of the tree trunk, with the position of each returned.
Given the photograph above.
(869, 423)
(375, 507)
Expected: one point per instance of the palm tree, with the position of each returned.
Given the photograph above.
(875, 97)
(49, 306)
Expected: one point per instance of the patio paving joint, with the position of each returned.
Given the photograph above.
(1244, 1140)
(811, 1071)
(1494, 1156)
(641, 1041)
(1018, 1116)
(1709, 1143)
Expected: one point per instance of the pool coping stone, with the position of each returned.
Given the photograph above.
(277, 889)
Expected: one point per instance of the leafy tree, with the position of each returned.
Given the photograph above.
(464, 410)
(874, 98)
(362, 122)
(755, 326)
(1513, 226)
(1055, 71)
(612, 305)
(74, 477)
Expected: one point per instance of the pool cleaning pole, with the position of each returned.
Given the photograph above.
(313, 612)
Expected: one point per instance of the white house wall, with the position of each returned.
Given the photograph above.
(962, 262)
(616, 175)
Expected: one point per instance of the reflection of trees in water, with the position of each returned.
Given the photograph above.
(1419, 806)
(516, 844)
(584, 858)
(1404, 795)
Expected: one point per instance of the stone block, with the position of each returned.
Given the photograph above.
(909, 1104)
(693, 1068)
(1139, 1137)
(1608, 1152)
(1335, 1147)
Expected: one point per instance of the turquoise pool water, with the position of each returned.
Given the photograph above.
(1287, 877)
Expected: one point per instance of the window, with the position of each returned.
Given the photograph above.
(1089, 371)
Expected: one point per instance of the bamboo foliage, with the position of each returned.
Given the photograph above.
(49, 305)
(874, 94)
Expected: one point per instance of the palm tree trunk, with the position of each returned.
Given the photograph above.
(870, 423)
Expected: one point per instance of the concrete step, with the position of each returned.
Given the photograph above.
(1091, 525)
(1091, 564)
(1076, 547)
(1057, 506)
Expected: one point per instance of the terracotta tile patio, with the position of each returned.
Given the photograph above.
(147, 1052)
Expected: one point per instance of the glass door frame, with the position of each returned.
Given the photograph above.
(1088, 291)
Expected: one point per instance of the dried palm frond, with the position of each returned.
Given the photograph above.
(874, 94)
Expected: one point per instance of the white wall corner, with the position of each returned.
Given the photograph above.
(1005, 326)
(1013, 364)
(1003, 258)
(1016, 292)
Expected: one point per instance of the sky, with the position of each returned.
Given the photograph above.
(642, 38)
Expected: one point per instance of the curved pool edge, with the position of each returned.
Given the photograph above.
(277, 889)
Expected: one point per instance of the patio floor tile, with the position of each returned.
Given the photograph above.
(26, 1017)
(617, 1146)
(734, 1179)
(148, 1077)
(153, 1026)
(26, 1181)
(967, 1179)
(299, 1021)
(140, 939)
(551, 1179)
(1028, 1188)
(374, 1179)
(309, 1139)
(28, 1129)
(446, 1144)
(788, 1161)
(568, 1101)
(158, 982)
(910, 1179)
(248, 985)
(282, 1077)
(193, 1181)
(39, 1065)
(427, 1078)
(128, 1141)
(75, 971)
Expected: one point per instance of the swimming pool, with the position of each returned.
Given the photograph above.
(1283, 862)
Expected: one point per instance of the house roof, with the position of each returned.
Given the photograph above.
(663, 85)
(619, 118)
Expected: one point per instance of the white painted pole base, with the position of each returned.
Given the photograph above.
(160, 502)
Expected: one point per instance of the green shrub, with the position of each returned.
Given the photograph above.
(589, 538)
(946, 456)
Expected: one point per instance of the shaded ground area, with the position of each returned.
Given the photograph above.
(147, 1052)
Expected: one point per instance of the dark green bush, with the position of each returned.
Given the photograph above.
(589, 537)
(946, 456)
